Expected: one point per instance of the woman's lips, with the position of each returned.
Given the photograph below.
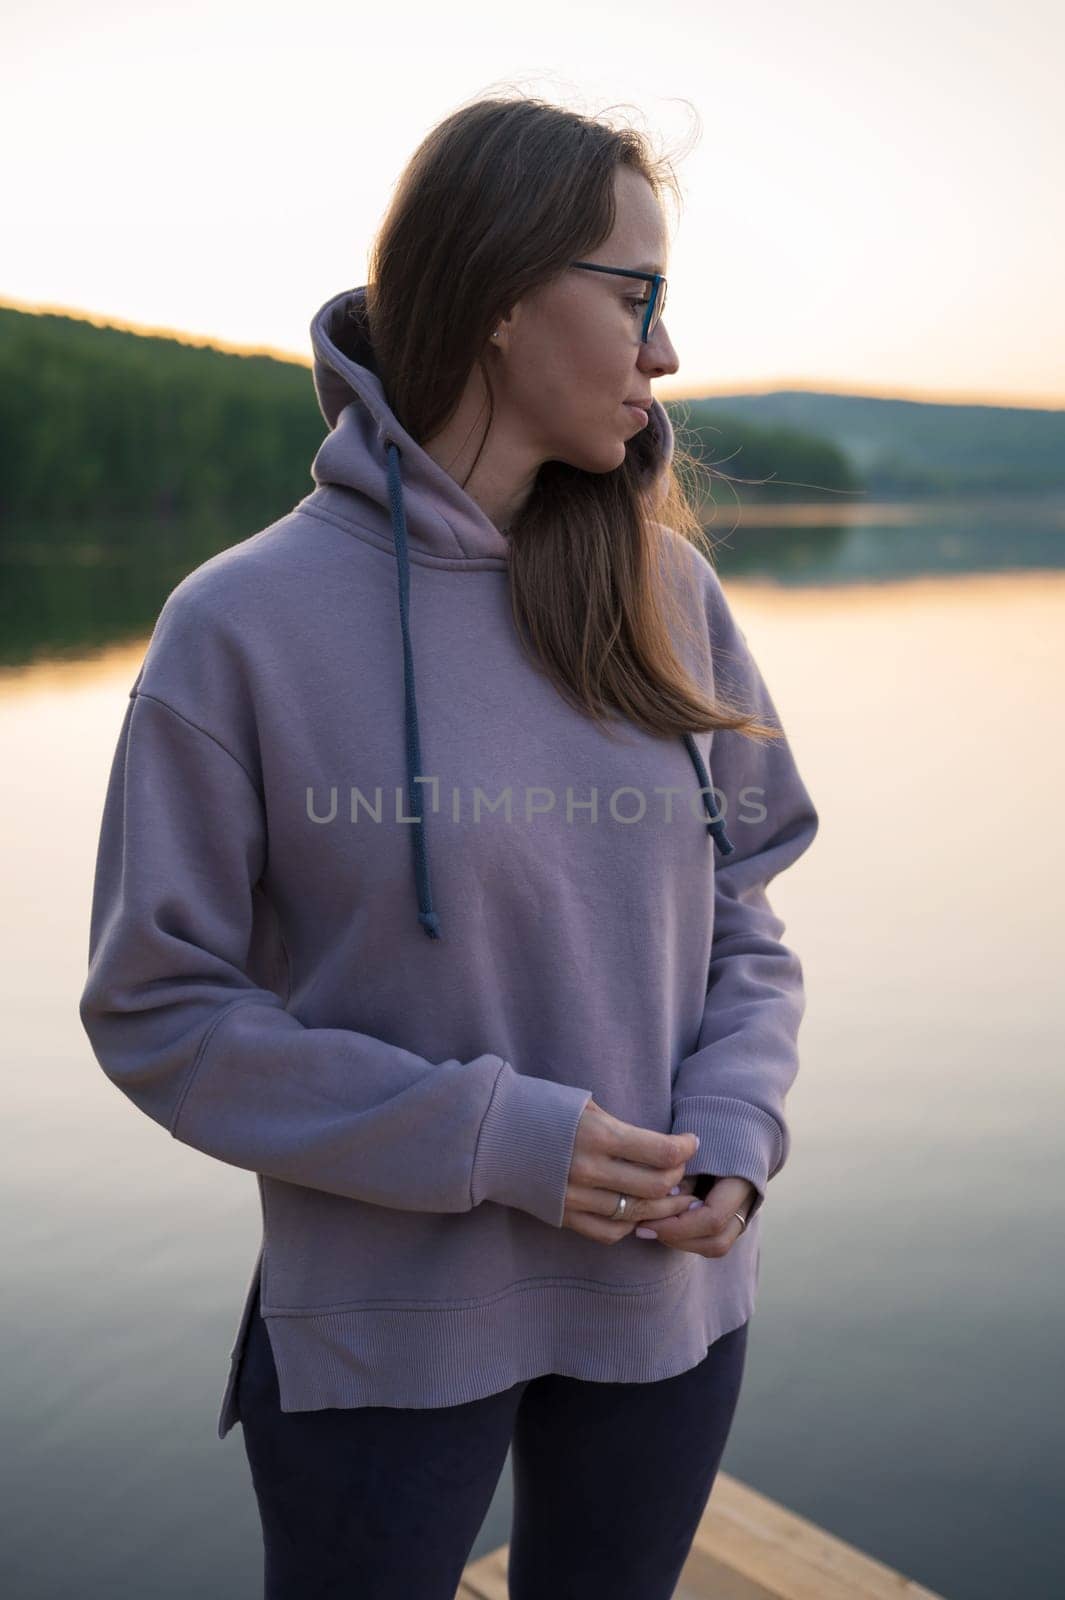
(638, 412)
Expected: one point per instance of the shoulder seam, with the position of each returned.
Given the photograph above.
(143, 694)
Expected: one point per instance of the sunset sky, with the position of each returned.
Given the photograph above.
(873, 195)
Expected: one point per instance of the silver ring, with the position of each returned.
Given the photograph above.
(623, 1202)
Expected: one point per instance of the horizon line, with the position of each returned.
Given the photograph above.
(718, 389)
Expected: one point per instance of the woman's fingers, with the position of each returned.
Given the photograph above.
(698, 1229)
(603, 1202)
(611, 1154)
(626, 1177)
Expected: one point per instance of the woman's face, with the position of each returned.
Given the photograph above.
(572, 352)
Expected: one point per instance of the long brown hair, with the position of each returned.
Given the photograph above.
(497, 199)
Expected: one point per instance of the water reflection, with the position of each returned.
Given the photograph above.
(819, 544)
(911, 1283)
(68, 589)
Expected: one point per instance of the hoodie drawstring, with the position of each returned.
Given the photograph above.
(426, 915)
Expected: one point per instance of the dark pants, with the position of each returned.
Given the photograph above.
(383, 1503)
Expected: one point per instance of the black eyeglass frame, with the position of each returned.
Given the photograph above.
(657, 279)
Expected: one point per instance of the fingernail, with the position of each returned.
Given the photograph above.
(646, 1233)
(675, 1189)
(694, 1204)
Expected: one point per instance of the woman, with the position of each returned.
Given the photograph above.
(417, 898)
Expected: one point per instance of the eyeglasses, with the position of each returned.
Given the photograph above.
(656, 301)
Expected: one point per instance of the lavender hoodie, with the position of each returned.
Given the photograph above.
(376, 913)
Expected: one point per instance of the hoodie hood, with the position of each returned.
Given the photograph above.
(408, 498)
(442, 520)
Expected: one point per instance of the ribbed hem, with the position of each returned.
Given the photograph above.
(525, 1147)
(736, 1139)
(433, 1356)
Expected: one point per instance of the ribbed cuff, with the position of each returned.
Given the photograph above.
(736, 1139)
(525, 1148)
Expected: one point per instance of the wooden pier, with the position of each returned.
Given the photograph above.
(749, 1548)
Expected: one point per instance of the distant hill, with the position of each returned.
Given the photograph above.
(765, 459)
(892, 447)
(100, 423)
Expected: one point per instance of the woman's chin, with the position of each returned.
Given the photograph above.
(606, 457)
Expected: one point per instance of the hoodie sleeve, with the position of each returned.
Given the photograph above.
(179, 1024)
(731, 1090)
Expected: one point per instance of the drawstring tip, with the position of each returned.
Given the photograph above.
(431, 923)
(721, 838)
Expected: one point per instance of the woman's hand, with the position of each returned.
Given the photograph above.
(612, 1157)
(710, 1228)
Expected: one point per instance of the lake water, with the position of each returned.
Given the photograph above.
(900, 1387)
